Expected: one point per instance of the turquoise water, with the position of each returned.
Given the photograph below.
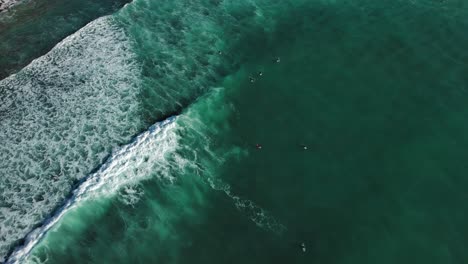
(151, 117)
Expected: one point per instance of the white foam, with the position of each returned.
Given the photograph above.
(5, 4)
(261, 217)
(131, 195)
(59, 117)
(149, 155)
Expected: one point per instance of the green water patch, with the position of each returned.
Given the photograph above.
(31, 29)
(379, 181)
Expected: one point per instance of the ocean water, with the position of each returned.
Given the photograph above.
(135, 139)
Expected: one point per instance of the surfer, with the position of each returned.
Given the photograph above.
(303, 247)
(278, 60)
(258, 146)
(252, 79)
(304, 147)
(260, 73)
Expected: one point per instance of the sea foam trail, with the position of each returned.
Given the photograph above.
(132, 163)
(59, 118)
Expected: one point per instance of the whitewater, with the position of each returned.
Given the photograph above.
(151, 147)
(61, 115)
(5, 4)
